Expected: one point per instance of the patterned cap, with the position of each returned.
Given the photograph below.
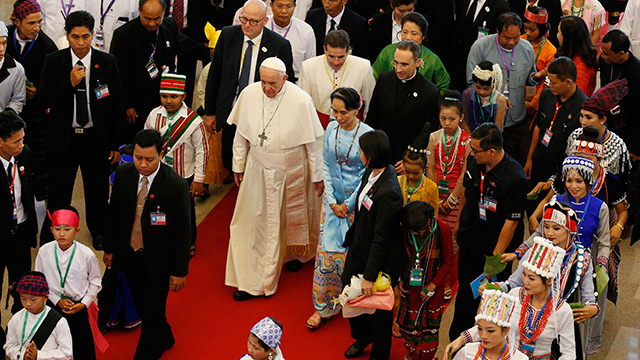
(583, 166)
(25, 9)
(33, 285)
(560, 214)
(268, 331)
(588, 148)
(606, 99)
(498, 307)
(172, 83)
(545, 258)
(540, 18)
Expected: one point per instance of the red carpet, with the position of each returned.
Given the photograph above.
(208, 323)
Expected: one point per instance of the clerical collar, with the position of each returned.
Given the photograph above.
(411, 78)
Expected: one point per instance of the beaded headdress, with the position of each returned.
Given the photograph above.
(172, 83)
(268, 331)
(588, 147)
(495, 75)
(560, 214)
(583, 166)
(545, 258)
(498, 307)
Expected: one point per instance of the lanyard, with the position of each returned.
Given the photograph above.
(249, 49)
(415, 243)
(481, 186)
(25, 53)
(483, 350)
(529, 324)
(558, 106)
(63, 281)
(13, 179)
(484, 120)
(416, 186)
(335, 86)
(504, 61)
(286, 32)
(447, 150)
(155, 44)
(66, 13)
(24, 340)
(103, 13)
(544, 39)
(603, 135)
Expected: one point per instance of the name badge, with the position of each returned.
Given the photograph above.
(506, 89)
(482, 32)
(491, 204)
(152, 70)
(367, 202)
(169, 161)
(415, 279)
(483, 211)
(101, 91)
(443, 186)
(99, 39)
(547, 137)
(158, 218)
(15, 212)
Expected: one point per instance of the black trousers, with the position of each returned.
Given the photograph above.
(149, 289)
(227, 146)
(517, 139)
(194, 227)
(95, 171)
(83, 346)
(374, 329)
(15, 255)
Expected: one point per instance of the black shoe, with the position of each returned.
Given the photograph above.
(229, 179)
(98, 240)
(242, 296)
(356, 349)
(294, 266)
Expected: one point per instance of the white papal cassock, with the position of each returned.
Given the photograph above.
(277, 213)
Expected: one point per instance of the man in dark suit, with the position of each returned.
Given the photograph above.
(81, 88)
(553, 7)
(334, 15)
(475, 18)
(404, 101)
(386, 28)
(228, 76)
(18, 222)
(142, 47)
(148, 238)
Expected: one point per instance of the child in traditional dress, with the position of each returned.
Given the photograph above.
(494, 322)
(414, 184)
(422, 302)
(185, 147)
(37, 331)
(264, 341)
(483, 102)
(73, 272)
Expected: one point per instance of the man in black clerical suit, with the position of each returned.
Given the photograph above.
(404, 101)
(18, 222)
(142, 47)
(228, 76)
(81, 88)
(149, 237)
(334, 15)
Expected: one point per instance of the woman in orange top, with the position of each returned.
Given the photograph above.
(575, 43)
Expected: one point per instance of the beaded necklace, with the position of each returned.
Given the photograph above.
(346, 158)
(448, 163)
(529, 331)
(482, 350)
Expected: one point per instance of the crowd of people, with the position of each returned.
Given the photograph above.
(406, 140)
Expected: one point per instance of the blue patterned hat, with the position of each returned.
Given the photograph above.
(268, 331)
(583, 166)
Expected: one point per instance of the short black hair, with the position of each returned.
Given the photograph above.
(506, 20)
(396, 3)
(417, 19)
(67, 207)
(349, 96)
(142, 2)
(451, 99)
(262, 343)
(337, 39)
(10, 123)
(77, 19)
(543, 28)
(376, 148)
(618, 39)
(415, 49)
(483, 65)
(564, 68)
(590, 134)
(489, 135)
(416, 215)
(148, 138)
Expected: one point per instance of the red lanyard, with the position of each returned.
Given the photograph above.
(481, 186)
(13, 178)
(554, 115)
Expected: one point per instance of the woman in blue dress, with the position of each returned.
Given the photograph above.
(342, 171)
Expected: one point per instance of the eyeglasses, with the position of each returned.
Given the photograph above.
(398, 65)
(285, 7)
(244, 20)
(474, 151)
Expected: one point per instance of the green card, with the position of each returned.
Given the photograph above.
(576, 305)
(602, 278)
(493, 265)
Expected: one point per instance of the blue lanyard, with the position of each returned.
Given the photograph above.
(103, 14)
(15, 43)
(539, 315)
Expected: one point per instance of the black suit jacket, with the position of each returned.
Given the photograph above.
(355, 25)
(487, 18)
(198, 13)
(439, 14)
(375, 238)
(222, 81)
(554, 7)
(57, 94)
(380, 34)
(166, 247)
(403, 124)
(132, 46)
(24, 170)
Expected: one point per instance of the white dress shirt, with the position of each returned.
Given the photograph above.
(84, 280)
(302, 39)
(57, 347)
(150, 178)
(86, 61)
(17, 187)
(337, 19)
(478, 7)
(372, 180)
(396, 30)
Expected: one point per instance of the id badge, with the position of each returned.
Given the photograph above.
(491, 204)
(169, 161)
(547, 137)
(101, 92)
(158, 218)
(482, 32)
(528, 347)
(443, 186)
(506, 89)
(483, 211)
(415, 279)
(367, 202)
(15, 212)
(152, 70)
(99, 39)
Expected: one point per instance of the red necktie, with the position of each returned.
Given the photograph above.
(178, 13)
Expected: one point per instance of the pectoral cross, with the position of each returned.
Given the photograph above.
(262, 137)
